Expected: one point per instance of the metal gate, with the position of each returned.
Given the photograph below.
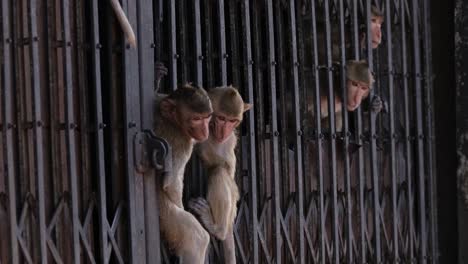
(73, 96)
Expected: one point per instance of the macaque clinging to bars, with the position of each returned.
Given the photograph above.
(182, 119)
(218, 211)
(359, 81)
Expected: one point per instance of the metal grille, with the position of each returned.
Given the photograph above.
(73, 96)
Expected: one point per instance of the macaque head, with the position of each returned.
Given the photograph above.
(189, 108)
(376, 21)
(228, 110)
(359, 82)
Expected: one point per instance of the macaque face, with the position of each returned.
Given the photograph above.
(222, 126)
(376, 32)
(195, 125)
(356, 92)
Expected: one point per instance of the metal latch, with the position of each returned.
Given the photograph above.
(151, 152)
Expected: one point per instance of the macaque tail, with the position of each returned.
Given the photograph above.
(124, 23)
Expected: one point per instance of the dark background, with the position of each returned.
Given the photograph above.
(448, 107)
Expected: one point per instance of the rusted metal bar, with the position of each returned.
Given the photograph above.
(421, 177)
(9, 126)
(248, 59)
(298, 137)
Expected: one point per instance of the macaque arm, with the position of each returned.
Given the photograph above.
(124, 23)
(215, 212)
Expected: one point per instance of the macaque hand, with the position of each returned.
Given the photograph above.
(160, 71)
(377, 104)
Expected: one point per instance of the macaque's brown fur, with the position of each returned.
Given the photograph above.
(359, 81)
(183, 117)
(217, 213)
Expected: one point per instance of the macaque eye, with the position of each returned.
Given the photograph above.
(221, 118)
(233, 121)
(353, 83)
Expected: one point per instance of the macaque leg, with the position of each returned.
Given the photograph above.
(229, 247)
(215, 212)
(184, 234)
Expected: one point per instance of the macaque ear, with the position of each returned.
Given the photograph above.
(167, 108)
(247, 107)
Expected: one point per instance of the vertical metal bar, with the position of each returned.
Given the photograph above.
(373, 148)
(359, 138)
(252, 139)
(331, 111)
(360, 168)
(235, 79)
(99, 136)
(419, 127)
(9, 126)
(182, 40)
(222, 36)
(392, 131)
(208, 43)
(274, 131)
(429, 140)
(70, 130)
(146, 61)
(39, 151)
(319, 136)
(298, 154)
(175, 56)
(198, 44)
(132, 122)
(345, 136)
(408, 146)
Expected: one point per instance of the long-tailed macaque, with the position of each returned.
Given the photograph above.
(359, 81)
(183, 118)
(376, 21)
(124, 23)
(218, 211)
